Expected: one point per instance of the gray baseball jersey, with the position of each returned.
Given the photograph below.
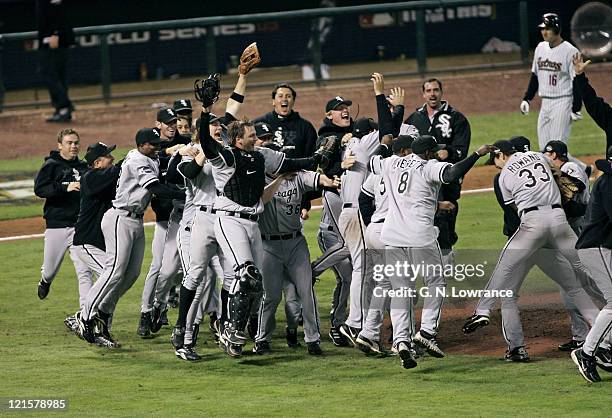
(411, 216)
(374, 186)
(222, 173)
(281, 214)
(527, 181)
(352, 179)
(137, 172)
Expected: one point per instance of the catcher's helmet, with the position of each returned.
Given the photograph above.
(552, 21)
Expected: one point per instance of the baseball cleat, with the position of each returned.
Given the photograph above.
(517, 355)
(178, 337)
(603, 358)
(103, 336)
(292, 338)
(71, 323)
(102, 341)
(86, 328)
(156, 319)
(337, 338)
(43, 289)
(368, 346)
(262, 347)
(234, 350)
(587, 366)
(571, 345)
(350, 333)
(164, 318)
(429, 343)
(314, 348)
(405, 354)
(236, 337)
(187, 353)
(474, 322)
(144, 326)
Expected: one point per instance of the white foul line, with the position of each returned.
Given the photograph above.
(318, 207)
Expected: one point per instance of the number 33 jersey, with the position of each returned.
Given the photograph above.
(554, 69)
(526, 180)
(413, 185)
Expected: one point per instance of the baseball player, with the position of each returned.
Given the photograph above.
(409, 234)
(595, 251)
(58, 182)
(526, 182)
(98, 186)
(286, 250)
(358, 150)
(123, 231)
(450, 127)
(163, 208)
(552, 75)
(600, 111)
(374, 207)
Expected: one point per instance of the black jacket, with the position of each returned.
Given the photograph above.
(600, 111)
(161, 206)
(97, 193)
(51, 19)
(511, 217)
(295, 136)
(61, 207)
(451, 128)
(327, 129)
(597, 230)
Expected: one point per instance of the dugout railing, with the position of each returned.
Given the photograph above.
(413, 16)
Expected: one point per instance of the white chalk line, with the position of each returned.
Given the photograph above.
(317, 207)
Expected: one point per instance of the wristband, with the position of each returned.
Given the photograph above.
(237, 97)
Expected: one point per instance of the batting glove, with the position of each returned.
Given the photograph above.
(576, 116)
(524, 107)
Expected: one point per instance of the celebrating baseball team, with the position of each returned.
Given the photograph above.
(230, 196)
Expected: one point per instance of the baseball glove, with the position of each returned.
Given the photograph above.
(249, 59)
(568, 186)
(328, 147)
(207, 91)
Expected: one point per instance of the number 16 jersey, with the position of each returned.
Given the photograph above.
(527, 181)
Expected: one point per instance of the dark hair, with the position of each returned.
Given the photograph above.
(283, 86)
(432, 80)
(236, 129)
(64, 132)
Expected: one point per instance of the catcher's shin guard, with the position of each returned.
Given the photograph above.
(247, 285)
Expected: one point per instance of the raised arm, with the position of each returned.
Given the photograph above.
(460, 169)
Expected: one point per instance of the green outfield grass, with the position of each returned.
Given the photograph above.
(21, 211)
(41, 359)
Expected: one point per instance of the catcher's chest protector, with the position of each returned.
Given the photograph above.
(246, 185)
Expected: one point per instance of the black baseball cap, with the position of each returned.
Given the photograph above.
(148, 136)
(335, 102)
(182, 107)
(520, 143)
(402, 141)
(263, 130)
(97, 150)
(215, 118)
(425, 143)
(364, 126)
(502, 146)
(166, 115)
(557, 147)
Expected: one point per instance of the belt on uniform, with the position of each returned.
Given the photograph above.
(250, 217)
(131, 214)
(348, 205)
(531, 209)
(272, 237)
(207, 209)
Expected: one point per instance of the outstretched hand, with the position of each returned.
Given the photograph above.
(579, 64)
(379, 83)
(396, 98)
(485, 149)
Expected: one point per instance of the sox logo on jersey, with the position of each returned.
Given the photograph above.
(444, 125)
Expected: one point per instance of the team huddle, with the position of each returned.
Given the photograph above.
(230, 197)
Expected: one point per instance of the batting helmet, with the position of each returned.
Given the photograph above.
(552, 21)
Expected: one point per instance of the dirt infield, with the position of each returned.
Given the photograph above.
(24, 133)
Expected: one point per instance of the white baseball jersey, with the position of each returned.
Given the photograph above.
(352, 179)
(554, 69)
(572, 169)
(137, 172)
(412, 184)
(282, 213)
(374, 186)
(222, 172)
(527, 181)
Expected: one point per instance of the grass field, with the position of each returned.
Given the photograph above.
(41, 359)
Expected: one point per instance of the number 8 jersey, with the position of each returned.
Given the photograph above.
(527, 181)
(413, 185)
